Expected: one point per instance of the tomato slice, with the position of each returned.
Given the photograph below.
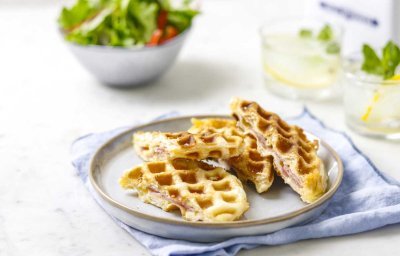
(155, 38)
(162, 19)
(169, 33)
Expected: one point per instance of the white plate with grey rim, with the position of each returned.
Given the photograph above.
(276, 209)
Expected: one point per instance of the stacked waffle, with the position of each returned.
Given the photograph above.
(176, 176)
(179, 172)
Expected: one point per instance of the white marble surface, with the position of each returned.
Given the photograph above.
(47, 100)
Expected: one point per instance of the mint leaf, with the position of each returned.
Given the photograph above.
(390, 59)
(333, 48)
(326, 33)
(385, 67)
(305, 33)
(372, 64)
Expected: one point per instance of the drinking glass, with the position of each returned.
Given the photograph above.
(298, 62)
(372, 105)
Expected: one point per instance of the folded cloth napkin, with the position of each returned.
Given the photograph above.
(366, 199)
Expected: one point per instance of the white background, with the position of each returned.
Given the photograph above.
(47, 100)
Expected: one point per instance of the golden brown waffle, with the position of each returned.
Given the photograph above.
(250, 165)
(220, 124)
(156, 146)
(200, 191)
(294, 156)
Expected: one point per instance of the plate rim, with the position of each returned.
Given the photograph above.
(229, 224)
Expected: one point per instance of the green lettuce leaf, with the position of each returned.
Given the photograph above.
(181, 19)
(82, 10)
(144, 14)
(119, 22)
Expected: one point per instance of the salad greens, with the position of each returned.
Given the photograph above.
(124, 23)
(385, 66)
(324, 35)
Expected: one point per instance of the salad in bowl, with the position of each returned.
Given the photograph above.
(126, 42)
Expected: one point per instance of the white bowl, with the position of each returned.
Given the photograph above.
(128, 67)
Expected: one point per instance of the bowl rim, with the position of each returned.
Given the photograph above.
(230, 224)
(175, 40)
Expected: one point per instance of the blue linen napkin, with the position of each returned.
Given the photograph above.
(366, 199)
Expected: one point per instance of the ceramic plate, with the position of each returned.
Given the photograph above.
(280, 207)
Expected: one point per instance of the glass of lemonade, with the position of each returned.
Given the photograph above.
(301, 58)
(372, 105)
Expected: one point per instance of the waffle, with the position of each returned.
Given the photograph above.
(200, 191)
(250, 165)
(219, 124)
(294, 156)
(158, 146)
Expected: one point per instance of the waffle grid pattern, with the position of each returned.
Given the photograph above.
(200, 191)
(250, 165)
(154, 146)
(295, 157)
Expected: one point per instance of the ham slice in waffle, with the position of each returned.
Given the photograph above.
(250, 165)
(209, 143)
(294, 156)
(200, 191)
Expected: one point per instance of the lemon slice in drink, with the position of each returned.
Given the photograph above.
(375, 99)
(298, 62)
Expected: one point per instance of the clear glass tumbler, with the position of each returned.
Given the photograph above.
(301, 58)
(372, 105)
